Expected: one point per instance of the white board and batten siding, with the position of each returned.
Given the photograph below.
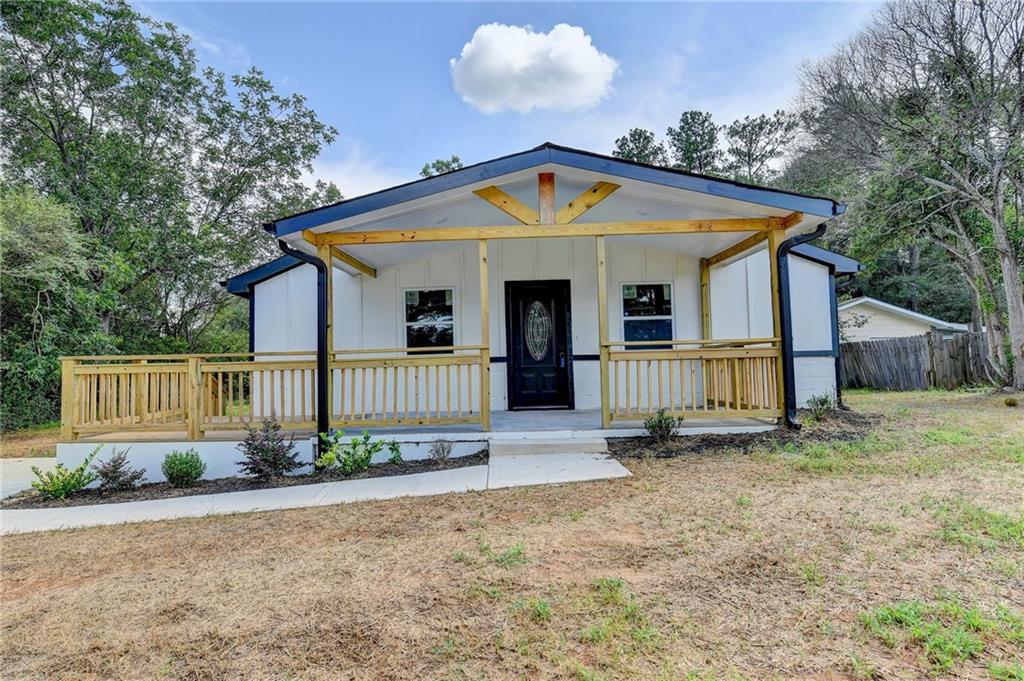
(741, 307)
(369, 312)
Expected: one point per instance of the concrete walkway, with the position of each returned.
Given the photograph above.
(509, 469)
(16, 474)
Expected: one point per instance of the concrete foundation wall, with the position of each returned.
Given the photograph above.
(221, 457)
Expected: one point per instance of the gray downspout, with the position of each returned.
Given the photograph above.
(786, 319)
(323, 417)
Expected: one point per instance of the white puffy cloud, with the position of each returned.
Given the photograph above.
(512, 68)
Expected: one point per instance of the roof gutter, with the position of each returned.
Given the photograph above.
(786, 322)
(323, 414)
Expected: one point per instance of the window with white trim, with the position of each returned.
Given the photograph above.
(647, 314)
(429, 318)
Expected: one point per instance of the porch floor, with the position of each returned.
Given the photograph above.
(515, 424)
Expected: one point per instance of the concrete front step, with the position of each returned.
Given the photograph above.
(551, 446)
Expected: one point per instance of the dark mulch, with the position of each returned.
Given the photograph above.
(838, 426)
(162, 490)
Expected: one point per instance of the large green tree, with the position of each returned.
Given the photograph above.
(694, 144)
(168, 170)
(641, 146)
(752, 144)
(930, 92)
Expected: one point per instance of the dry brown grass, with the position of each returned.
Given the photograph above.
(41, 441)
(756, 565)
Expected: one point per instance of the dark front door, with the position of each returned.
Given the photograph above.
(539, 344)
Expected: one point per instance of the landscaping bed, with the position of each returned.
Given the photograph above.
(163, 490)
(838, 426)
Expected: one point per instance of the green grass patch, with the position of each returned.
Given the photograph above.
(835, 458)
(537, 609)
(513, 556)
(1013, 671)
(954, 437)
(976, 527)
(812, 574)
(946, 632)
(619, 626)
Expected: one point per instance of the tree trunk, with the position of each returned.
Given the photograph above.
(1010, 269)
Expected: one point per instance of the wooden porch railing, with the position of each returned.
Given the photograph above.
(702, 379)
(190, 393)
(196, 394)
(407, 386)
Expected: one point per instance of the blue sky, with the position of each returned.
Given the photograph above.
(383, 73)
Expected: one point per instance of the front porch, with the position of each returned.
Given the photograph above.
(655, 233)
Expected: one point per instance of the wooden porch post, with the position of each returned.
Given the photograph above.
(326, 254)
(194, 400)
(705, 298)
(775, 238)
(602, 331)
(67, 399)
(485, 339)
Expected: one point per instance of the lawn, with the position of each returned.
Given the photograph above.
(31, 442)
(896, 555)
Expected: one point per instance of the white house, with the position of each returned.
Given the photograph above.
(551, 289)
(867, 318)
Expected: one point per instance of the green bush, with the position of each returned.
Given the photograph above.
(183, 469)
(61, 481)
(354, 457)
(663, 427)
(266, 452)
(820, 405)
(115, 475)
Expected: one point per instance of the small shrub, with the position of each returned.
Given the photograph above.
(440, 450)
(61, 481)
(115, 475)
(266, 453)
(396, 452)
(821, 405)
(356, 456)
(183, 469)
(1011, 402)
(663, 427)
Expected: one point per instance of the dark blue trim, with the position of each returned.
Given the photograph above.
(814, 353)
(252, 319)
(786, 319)
(573, 158)
(841, 263)
(323, 402)
(241, 284)
(834, 304)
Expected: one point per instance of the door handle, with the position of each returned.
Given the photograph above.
(561, 360)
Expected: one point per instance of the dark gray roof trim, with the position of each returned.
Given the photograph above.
(842, 263)
(552, 153)
(241, 284)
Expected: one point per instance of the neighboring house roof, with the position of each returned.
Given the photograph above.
(566, 156)
(240, 283)
(865, 301)
(842, 263)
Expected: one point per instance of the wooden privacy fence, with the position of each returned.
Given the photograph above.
(705, 378)
(191, 393)
(931, 360)
(407, 386)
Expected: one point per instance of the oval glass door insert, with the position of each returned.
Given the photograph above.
(537, 330)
